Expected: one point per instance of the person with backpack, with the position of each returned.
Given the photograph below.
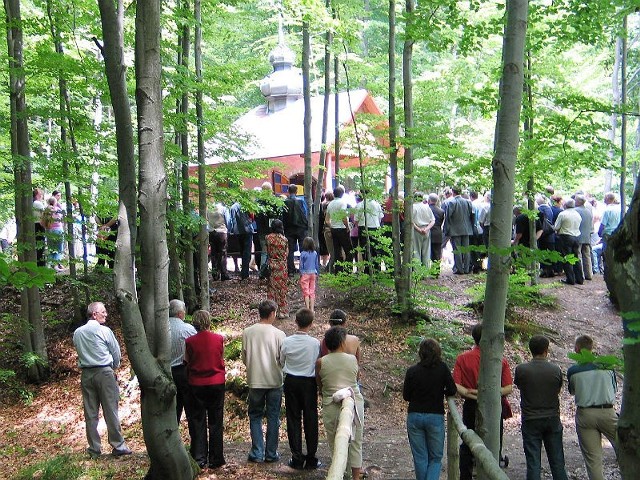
(296, 223)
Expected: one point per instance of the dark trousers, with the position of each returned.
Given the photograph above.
(342, 248)
(469, 408)
(461, 261)
(245, 240)
(476, 257)
(209, 412)
(570, 244)
(374, 245)
(184, 400)
(218, 242)
(41, 260)
(295, 237)
(535, 433)
(301, 401)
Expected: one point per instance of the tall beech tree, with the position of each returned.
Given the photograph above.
(145, 313)
(507, 139)
(33, 339)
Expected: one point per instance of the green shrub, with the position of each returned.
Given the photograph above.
(451, 337)
(233, 349)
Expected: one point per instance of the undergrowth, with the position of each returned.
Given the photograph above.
(61, 467)
(450, 336)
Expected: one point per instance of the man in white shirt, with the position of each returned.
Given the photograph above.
(368, 214)
(261, 344)
(98, 354)
(298, 357)
(423, 219)
(567, 227)
(338, 214)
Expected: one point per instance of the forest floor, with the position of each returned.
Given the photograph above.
(51, 423)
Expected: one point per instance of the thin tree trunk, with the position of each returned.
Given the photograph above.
(503, 166)
(325, 125)
(306, 95)
(65, 112)
(203, 239)
(404, 298)
(336, 116)
(615, 90)
(623, 129)
(393, 154)
(187, 208)
(531, 203)
(32, 326)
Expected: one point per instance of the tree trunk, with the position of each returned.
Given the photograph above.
(203, 240)
(187, 208)
(146, 324)
(404, 297)
(325, 125)
(531, 202)
(116, 70)
(65, 112)
(615, 90)
(622, 257)
(336, 116)
(306, 95)
(32, 326)
(623, 129)
(503, 166)
(393, 154)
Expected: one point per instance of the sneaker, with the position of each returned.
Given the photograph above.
(273, 459)
(295, 465)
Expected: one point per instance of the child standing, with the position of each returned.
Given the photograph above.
(309, 269)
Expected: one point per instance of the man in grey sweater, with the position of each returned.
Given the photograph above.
(540, 382)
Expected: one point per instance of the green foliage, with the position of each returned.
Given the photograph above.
(450, 336)
(631, 323)
(605, 362)
(12, 388)
(233, 349)
(24, 274)
(61, 467)
(520, 293)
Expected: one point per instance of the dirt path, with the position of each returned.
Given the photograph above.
(53, 424)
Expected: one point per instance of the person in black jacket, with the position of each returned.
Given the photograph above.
(296, 224)
(425, 386)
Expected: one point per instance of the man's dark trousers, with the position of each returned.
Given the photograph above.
(301, 400)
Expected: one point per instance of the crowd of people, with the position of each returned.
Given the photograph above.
(302, 368)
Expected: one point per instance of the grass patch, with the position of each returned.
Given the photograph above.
(61, 467)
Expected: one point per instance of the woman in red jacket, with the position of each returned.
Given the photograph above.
(204, 357)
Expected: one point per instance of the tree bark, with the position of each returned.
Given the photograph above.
(306, 95)
(203, 237)
(503, 166)
(32, 325)
(623, 128)
(393, 154)
(187, 207)
(112, 20)
(622, 257)
(404, 298)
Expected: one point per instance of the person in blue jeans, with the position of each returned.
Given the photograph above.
(425, 386)
(540, 382)
(261, 345)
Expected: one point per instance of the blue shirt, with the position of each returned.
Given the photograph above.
(309, 262)
(298, 355)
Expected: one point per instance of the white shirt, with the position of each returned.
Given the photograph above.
(568, 222)
(96, 345)
(298, 355)
(422, 215)
(179, 331)
(373, 214)
(337, 211)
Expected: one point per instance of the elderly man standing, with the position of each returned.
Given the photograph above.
(568, 228)
(98, 354)
(423, 220)
(179, 331)
(586, 229)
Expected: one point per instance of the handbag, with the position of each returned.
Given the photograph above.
(265, 270)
